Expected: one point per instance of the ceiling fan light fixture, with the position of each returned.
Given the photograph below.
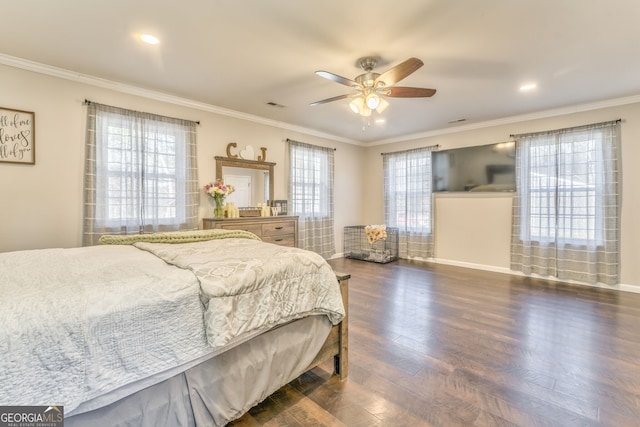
(373, 100)
(371, 88)
(383, 105)
(357, 105)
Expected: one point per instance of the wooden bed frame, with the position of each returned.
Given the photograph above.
(337, 343)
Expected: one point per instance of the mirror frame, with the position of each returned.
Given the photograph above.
(249, 164)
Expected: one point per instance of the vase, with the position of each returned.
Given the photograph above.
(218, 211)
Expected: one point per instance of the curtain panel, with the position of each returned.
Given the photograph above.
(140, 173)
(566, 211)
(408, 200)
(311, 183)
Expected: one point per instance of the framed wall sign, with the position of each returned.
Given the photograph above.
(17, 136)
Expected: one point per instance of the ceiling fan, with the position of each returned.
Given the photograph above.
(371, 88)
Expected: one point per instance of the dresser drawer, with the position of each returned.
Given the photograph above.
(278, 228)
(282, 240)
(252, 228)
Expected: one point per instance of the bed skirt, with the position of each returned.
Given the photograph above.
(221, 388)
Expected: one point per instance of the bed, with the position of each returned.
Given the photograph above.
(168, 329)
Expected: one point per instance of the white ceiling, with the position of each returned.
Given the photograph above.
(241, 54)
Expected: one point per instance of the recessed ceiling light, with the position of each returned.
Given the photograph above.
(148, 38)
(528, 86)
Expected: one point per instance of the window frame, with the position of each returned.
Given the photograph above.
(148, 145)
(562, 184)
(317, 206)
(402, 194)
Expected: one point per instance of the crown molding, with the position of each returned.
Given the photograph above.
(37, 67)
(61, 73)
(578, 108)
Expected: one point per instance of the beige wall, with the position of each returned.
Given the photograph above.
(475, 231)
(41, 205)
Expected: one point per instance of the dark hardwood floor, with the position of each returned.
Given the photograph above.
(435, 345)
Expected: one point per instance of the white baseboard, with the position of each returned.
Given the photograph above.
(484, 267)
(618, 287)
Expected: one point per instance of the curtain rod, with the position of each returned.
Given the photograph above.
(430, 147)
(87, 102)
(575, 127)
(300, 142)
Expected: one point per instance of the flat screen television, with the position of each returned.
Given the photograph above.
(475, 169)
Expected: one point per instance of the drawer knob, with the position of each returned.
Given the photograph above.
(279, 228)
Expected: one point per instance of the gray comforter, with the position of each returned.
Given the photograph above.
(249, 286)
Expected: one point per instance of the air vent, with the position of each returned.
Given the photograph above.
(457, 121)
(275, 104)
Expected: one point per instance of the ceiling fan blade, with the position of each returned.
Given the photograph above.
(338, 79)
(399, 72)
(335, 98)
(408, 92)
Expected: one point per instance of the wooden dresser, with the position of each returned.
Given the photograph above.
(281, 230)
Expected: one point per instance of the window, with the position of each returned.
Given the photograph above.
(567, 204)
(309, 182)
(565, 189)
(407, 200)
(140, 173)
(311, 196)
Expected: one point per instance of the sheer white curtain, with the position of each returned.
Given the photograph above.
(566, 213)
(408, 200)
(140, 173)
(311, 196)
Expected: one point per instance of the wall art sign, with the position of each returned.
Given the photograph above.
(17, 136)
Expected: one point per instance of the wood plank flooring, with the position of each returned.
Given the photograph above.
(435, 345)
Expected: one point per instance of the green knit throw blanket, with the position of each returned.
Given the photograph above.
(176, 237)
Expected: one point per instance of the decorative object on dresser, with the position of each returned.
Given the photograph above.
(257, 175)
(281, 207)
(246, 154)
(218, 191)
(375, 243)
(281, 230)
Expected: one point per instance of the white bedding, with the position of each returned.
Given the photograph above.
(79, 323)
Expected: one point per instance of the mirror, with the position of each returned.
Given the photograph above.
(252, 180)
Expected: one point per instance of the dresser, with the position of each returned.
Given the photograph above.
(281, 230)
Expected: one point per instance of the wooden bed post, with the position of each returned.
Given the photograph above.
(341, 360)
(336, 345)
